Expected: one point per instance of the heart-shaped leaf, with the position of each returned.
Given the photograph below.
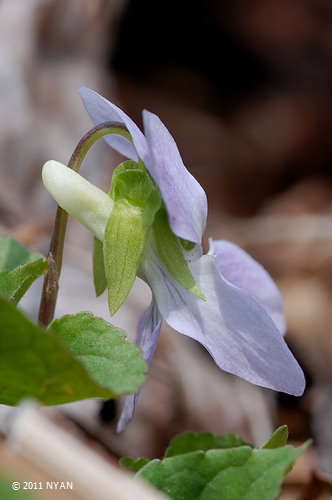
(111, 359)
(240, 473)
(34, 363)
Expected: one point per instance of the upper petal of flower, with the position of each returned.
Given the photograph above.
(101, 110)
(183, 196)
(232, 325)
(240, 269)
(148, 331)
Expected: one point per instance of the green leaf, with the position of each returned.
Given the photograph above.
(170, 253)
(279, 438)
(239, 473)
(34, 363)
(111, 359)
(14, 254)
(133, 464)
(14, 284)
(99, 274)
(190, 441)
(136, 200)
(19, 268)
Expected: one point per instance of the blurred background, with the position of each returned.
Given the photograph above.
(245, 89)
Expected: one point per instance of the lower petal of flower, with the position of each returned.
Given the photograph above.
(240, 269)
(232, 325)
(148, 331)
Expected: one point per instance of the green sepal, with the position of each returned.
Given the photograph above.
(99, 274)
(170, 253)
(131, 182)
(187, 245)
(136, 201)
(123, 247)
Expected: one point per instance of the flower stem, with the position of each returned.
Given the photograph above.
(54, 257)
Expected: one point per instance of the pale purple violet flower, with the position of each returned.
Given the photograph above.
(241, 323)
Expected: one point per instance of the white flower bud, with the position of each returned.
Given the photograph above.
(77, 196)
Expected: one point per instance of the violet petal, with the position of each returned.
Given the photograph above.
(240, 269)
(183, 196)
(232, 325)
(101, 110)
(148, 331)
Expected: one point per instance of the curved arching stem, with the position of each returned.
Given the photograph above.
(54, 257)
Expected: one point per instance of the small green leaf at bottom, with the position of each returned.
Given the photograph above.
(190, 441)
(278, 438)
(239, 473)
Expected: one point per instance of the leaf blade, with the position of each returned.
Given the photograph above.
(239, 473)
(36, 364)
(14, 284)
(14, 254)
(19, 268)
(109, 357)
(204, 441)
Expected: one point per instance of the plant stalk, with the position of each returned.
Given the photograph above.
(54, 257)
